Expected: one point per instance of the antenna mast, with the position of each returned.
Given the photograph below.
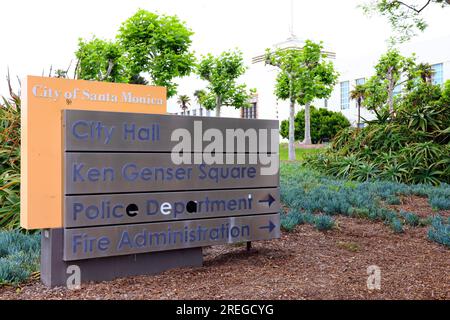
(291, 26)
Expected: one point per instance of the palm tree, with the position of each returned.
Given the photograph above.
(358, 94)
(425, 72)
(199, 95)
(184, 101)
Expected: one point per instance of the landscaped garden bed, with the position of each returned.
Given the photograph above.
(303, 264)
(307, 263)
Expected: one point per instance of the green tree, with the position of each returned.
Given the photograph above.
(391, 71)
(158, 45)
(100, 60)
(199, 97)
(184, 101)
(425, 72)
(325, 124)
(404, 16)
(304, 75)
(358, 94)
(221, 73)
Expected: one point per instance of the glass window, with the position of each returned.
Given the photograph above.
(194, 112)
(345, 95)
(438, 73)
(360, 81)
(250, 112)
(397, 90)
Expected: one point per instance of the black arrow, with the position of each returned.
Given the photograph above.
(270, 227)
(270, 199)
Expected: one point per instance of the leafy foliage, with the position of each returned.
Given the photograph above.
(396, 225)
(100, 60)
(158, 45)
(184, 101)
(323, 222)
(403, 16)
(19, 256)
(147, 43)
(411, 218)
(10, 162)
(440, 231)
(410, 144)
(221, 73)
(324, 124)
(304, 75)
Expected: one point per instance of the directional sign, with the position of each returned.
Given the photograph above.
(144, 183)
(131, 208)
(116, 131)
(143, 172)
(86, 243)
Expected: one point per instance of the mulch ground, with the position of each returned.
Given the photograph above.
(304, 264)
(419, 205)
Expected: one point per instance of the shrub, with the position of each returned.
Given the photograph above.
(440, 203)
(289, 221)
(440, 231)
(324, 124)
(323, 222)
(19, 256)
(393, 200)
(411, 219)
(411, 147)
(10, 163)
(294, 218)
(396, 225)
(306, 191)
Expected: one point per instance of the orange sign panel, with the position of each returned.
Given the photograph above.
(41, 134)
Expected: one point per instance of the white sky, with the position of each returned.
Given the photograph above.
(37, 34)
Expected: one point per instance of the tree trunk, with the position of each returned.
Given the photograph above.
(359, 112)
(292, 131)
(218, 105)
(391, 88)
(307, 124)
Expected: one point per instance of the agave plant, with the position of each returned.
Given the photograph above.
(347, 165)
(425, 118)
(427, 152)
(428, 175)
(394, 172)
(365, 171)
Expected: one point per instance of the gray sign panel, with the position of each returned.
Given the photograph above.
(132, 208)
(88, 173)
(116, 131)
(86, 243)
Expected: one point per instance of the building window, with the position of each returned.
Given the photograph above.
(194, 112)
(438, 73)
(250, 112)
(325, 103)
(360, 81)
(345, 95)
(397, 90)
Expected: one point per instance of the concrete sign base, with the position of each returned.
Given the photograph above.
(56, 272)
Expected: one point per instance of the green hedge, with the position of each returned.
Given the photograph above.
(325, 124)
